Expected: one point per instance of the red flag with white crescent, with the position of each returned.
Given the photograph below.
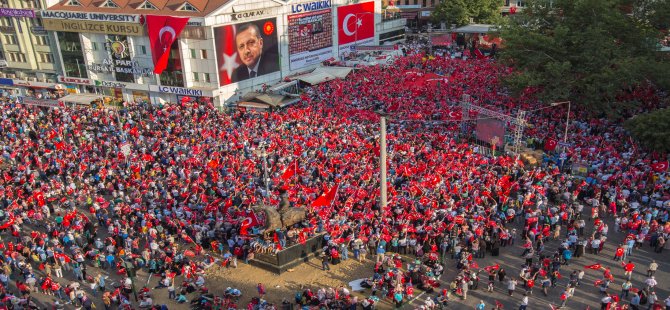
(163, 31)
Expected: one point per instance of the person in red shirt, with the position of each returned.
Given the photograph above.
(618, 254)
(628, 269)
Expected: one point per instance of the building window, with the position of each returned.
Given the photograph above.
(146, 5)
(16, 57)
(193, 54)
(35, 22)
(188, 7)
(31, 4)
(10, 39)
(46, 57)
(109, 4)
(203, 54)
(143, 49)
(94, 46)
(5, 21)
(41, 40)
(73, 3)
(196, 77)
(207, 79)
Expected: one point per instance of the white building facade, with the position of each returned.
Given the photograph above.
(105, 48)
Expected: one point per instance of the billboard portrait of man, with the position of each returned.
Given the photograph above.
(246, 50)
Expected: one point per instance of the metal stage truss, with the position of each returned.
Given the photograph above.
(519, 121)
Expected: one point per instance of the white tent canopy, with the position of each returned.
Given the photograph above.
(324, 74)
(475, 28)
(83, 99)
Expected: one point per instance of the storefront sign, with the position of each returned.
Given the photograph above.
(180, 91)
(38, 30)
(249, 14)
(310, 6)
(34, 84)
(110, 84)
(75, 80)
(120, 66)
(5, 12)
(93, 27)
(8, 82)
(374, 48)
(100, 17)
(49, 103)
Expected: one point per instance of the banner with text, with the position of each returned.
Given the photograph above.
(310, 38)
(86, 26)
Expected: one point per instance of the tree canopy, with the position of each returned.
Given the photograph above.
(652, 130)
(587, 51)
(459, 12)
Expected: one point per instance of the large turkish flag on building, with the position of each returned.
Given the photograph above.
(355, 22)
(163, 31)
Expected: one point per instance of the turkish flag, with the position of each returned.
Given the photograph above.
(660, 166)
(327, 198)
(39, 196)
(512, 10)
(355, 22)
(550, 144)
(290, 171)
(228, 60)
(163, 31)
(456, 115)
(594, 266)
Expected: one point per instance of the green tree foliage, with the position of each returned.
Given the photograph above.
(652, 130)
(459, 12)
(586, 51)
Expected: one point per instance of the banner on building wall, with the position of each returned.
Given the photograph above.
(6, 12)
(93, 27)
(355, 25)
(246, 50)
(310, 38)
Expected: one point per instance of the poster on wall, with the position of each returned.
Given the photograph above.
(246, 50)
(355, 25)
(310, 38)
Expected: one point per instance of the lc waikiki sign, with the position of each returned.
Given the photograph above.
(310, 6)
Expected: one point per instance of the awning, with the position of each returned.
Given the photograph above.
(324, 74)
(283, 85)
(475, 28)
(266, 100)
(84, 99)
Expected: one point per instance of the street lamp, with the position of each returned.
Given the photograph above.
(382, 159)
(567, 122)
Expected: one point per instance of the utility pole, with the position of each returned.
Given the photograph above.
(382, 160)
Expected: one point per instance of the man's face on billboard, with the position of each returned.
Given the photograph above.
(249, 46)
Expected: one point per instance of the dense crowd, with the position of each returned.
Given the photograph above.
(169, 189)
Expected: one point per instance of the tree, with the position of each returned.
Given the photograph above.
(586, 51)
(652, 130)
(459, 12)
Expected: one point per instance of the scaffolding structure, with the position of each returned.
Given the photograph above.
(519, 121)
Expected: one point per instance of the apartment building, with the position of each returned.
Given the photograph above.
(26, 57)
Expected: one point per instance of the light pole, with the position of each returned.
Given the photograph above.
(382, 159)
(567, 122)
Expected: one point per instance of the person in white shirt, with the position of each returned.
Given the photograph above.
(524, 302)
(651, 283)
